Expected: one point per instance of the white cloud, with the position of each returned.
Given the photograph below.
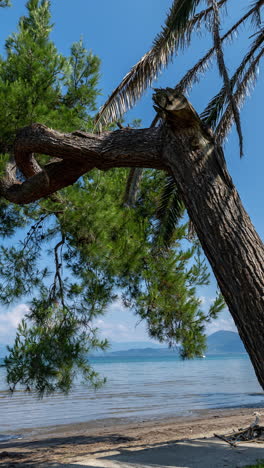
(117, 306)
(120, 324)
(206, 300)
(221, 324)
(224, 322)
(121, 331)
(9, 321)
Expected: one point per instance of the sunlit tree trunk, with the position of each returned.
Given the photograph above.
(227, 235)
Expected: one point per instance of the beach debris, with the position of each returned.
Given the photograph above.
(252, 433)
(256, 422)
(10, 455)
(225, 439)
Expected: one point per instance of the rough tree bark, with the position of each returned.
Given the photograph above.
(187, 150)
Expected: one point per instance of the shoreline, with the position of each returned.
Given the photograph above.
(109, 423)
(120, 421)
(71, 442)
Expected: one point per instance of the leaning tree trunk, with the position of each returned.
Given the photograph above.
(186, 149)
(226, 233)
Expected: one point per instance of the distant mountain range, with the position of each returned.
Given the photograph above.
(134, 345)
(147, 352)
(224, 342)
(221, 342)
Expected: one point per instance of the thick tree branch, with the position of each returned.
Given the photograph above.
(52, 178)
(75, 155)
(121, 148)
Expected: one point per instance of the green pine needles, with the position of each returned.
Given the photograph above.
(4, 3)
(81, 248)
(39, 84)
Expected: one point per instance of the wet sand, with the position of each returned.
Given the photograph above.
(117, 442)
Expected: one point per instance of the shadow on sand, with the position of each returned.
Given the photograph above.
(197, 453)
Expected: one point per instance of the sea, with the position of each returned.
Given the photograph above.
(137, 389)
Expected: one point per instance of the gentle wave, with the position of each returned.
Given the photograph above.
(138, 388)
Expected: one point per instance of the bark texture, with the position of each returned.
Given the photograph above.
(227, 235)
(73, 155)
(185, 148)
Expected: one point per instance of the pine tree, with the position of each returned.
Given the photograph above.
(74, 260)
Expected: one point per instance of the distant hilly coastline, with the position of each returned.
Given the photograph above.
(146, 352)
(221, 342)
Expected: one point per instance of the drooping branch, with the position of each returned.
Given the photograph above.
(224, 73)
(75, 154)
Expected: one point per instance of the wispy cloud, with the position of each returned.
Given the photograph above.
(9, 321)
(225, 320)
(117, 306)
(206, 301)
(203, 300)
(121, 331)
(222, 323)
(120, 324)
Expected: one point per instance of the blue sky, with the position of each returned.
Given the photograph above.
(120, 32)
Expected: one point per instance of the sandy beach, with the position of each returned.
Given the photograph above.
(110, 443)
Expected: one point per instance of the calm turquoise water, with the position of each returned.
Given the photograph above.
(139, 389)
